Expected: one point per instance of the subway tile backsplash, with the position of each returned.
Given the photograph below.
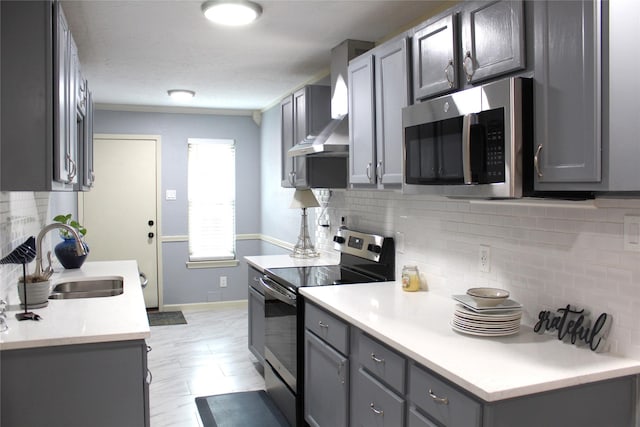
(22, 214)
(547, 255)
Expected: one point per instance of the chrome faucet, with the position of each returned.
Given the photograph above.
(79, 246)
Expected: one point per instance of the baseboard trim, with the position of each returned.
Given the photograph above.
(205, 305)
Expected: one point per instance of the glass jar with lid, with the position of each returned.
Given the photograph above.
(410, 278)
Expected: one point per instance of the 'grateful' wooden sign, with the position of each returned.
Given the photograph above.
(575, 326)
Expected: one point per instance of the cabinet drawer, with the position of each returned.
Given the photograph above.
(375, 405)
(328, 327)
(382, 362)
(418, 420)
(441, 401)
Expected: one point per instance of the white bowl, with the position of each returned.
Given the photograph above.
(488, 297)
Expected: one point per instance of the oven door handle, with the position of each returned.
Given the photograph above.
(286, 297)
(467, 121)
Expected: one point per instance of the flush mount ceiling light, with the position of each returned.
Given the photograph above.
(181, 94)
(231, 12)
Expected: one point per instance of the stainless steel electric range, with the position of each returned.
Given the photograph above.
(364, 258)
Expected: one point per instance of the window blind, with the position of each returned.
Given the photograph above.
(211, 199)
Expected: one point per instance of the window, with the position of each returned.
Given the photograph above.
(211, 195)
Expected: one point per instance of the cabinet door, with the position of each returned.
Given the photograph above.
(361, 121)
(492, 39)
(567, 93)
(392, 95)
(300, 132)
(65, 141)
(435, 62)
(326, 394)
(86, 155)
(286, 136)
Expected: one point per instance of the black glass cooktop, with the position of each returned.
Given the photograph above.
(295, 277)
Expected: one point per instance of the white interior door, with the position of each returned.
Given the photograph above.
(120, 212)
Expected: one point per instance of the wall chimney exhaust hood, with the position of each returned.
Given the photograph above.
(334, 138)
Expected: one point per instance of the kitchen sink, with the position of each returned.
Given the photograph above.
(88, 288)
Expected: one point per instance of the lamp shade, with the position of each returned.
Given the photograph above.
(304, 199)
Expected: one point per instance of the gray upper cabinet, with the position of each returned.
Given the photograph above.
(492, 39)
(567, 93)
(378, 91)
(361, 121)
(435, 60)
(303, 116)
(40, 85)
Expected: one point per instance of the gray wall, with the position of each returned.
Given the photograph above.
(182, 285)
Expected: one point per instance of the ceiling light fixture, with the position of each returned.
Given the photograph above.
(231, 12)
(181, 94)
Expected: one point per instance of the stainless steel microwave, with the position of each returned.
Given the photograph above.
(469, 143)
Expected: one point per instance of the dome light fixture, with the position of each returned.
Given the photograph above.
(231, 12)
(181, 94)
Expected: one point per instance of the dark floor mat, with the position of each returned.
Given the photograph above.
(163, 318)
(244, 409)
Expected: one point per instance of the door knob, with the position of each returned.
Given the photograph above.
(150, 223)
(150, 235)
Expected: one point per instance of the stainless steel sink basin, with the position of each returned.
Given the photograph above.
(88, 288)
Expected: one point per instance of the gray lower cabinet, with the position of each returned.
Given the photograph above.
(326, 373)
(256, 315)
(98, 385)
(387, 389)
(326, 384)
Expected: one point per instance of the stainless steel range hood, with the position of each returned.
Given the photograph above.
(334, 138)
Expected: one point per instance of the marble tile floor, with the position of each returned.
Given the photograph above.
(207, 356)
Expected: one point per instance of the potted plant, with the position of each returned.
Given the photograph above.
(66, 250)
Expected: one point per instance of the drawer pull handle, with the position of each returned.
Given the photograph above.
(441, 400)
(376, 411)
(376, 359)
(323, 325)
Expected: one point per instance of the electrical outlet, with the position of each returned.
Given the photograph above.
(484, 259)
(223, 281)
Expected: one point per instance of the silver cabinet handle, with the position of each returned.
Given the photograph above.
(466, 63)
(448, 68)
(72, 169)
(379, 171)
(376, 411)
(143, 280)
(369, 172)
(292, 178)
(376, 358)
(440, 400)
(536, 161)
(323, 325)
(340, 376)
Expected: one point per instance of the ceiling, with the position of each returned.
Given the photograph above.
(133, 51)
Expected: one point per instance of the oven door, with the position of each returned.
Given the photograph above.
(280, 311)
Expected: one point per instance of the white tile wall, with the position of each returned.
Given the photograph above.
(22, 214)
(547, 255)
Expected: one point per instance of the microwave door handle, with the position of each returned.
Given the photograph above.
(467, 121)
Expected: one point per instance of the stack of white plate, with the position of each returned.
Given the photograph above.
(503, 319)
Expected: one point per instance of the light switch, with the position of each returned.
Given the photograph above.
(632, 233)
(171, 195)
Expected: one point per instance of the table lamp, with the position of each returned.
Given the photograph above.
(304, 248)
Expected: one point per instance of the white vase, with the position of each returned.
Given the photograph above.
(37, 293)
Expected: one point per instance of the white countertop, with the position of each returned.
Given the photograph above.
(417, 325)
(261, 262)
(86, 320)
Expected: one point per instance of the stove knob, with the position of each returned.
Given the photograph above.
(374, 248)
(338, 239)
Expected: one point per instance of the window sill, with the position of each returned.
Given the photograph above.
(213, 264)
